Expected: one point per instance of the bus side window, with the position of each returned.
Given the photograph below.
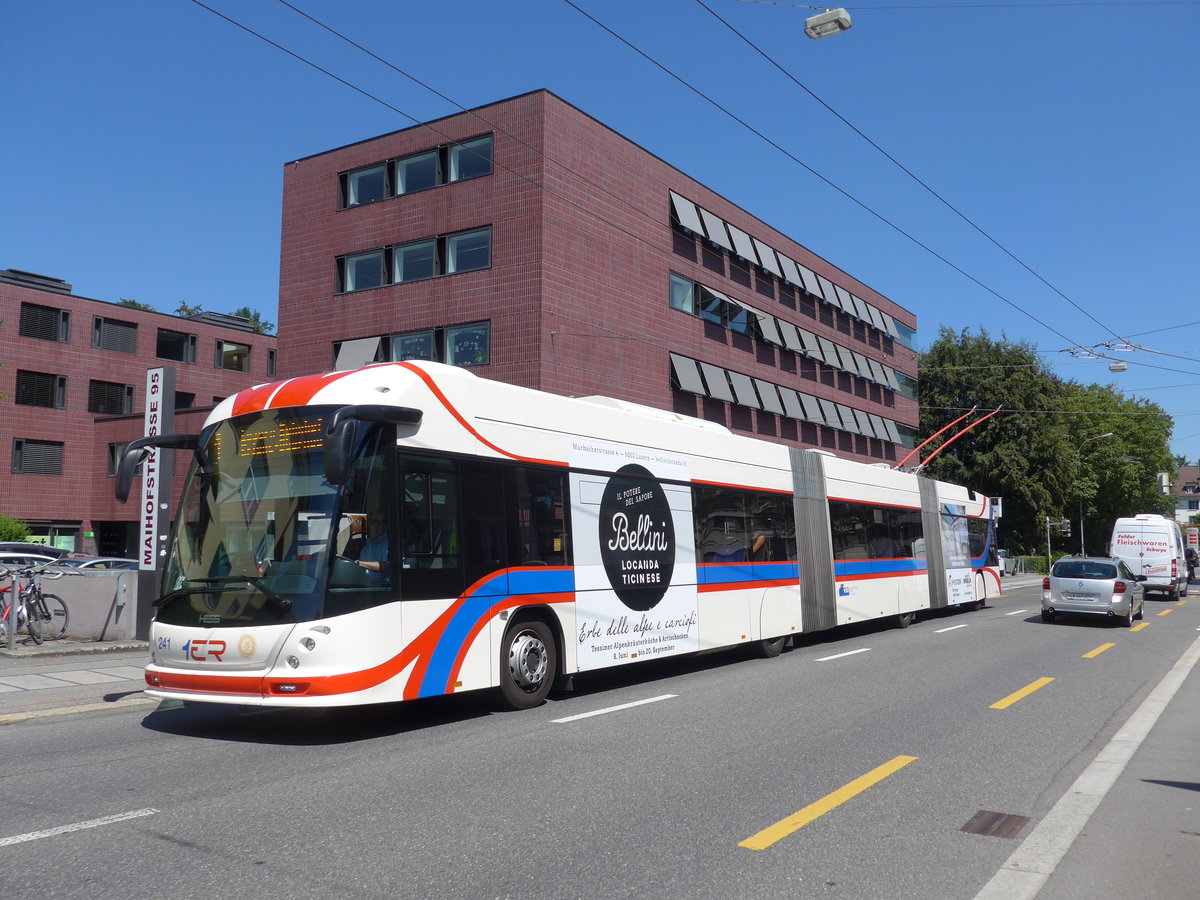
(431, 563)
(537, 518)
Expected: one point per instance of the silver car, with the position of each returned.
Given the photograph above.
(1093, 585)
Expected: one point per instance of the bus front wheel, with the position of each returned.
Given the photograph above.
(528, 664)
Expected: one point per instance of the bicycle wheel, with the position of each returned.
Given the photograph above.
(33, 621)
(52, 615)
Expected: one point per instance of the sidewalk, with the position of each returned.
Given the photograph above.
(67, 676)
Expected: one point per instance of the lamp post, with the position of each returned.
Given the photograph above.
(1078, 467)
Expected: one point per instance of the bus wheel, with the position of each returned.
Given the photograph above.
(528, 663)
(771, 647)
(905, 619)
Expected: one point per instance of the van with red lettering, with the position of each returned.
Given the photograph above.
(1152, 546)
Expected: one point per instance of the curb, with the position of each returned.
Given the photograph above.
(72, 648)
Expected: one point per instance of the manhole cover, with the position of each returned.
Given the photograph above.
(995, 824)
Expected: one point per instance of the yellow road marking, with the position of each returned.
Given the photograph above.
(1021, 694)
(798, 820)
(1182, 601)
(1139, 626)
(1098, 651)
(1166, 612)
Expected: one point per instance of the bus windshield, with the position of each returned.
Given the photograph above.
(251, 541)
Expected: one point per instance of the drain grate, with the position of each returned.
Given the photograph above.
(995, 824)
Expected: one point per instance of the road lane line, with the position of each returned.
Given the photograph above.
(1015, 612)
(1140, 625)
(840, 655)
(1021, 694)
(1031, 864)
(610, 709)
(1093, 654)
(951, 628)
(798, 820)
(1166, 612)
(75, 826)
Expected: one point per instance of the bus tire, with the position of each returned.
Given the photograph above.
(528, 663)
(905, 619)
(771, 647)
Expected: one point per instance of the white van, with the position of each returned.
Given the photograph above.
(1152, 546)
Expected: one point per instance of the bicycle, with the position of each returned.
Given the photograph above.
(45, 616)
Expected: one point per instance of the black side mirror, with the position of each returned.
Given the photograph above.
(341, 431)
(135, 452)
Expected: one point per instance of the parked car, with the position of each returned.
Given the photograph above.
(16, 560)
(1093, 585)
(1006, 563)
(31, 547)
(101, 562)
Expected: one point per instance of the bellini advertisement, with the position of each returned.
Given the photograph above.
(635, 559)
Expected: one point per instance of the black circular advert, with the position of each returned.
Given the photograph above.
(637, 537)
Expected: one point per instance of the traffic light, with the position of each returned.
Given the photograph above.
(1066, 527)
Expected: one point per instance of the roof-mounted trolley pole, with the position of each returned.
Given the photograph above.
(918, 448)
(955, 438)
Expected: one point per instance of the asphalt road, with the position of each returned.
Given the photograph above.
(848, 767)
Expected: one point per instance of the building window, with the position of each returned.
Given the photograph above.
(271, 363)
(363, 271)
(418, 345)
(113, 334)
(466, 251)
(415, 262)
(470, 159)
(41, 389)
(37, 457)
(110, 399)
(176, 345)
(365, 185)
(467, 345)
(115, 453)
(458, 345)
(459, 161)
(184, 400)
(234, 357)
(417, 173)
(469, 251)
(45, 323)
(683, 294)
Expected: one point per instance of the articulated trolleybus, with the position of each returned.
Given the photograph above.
(409, 529)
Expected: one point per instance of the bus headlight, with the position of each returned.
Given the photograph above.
(293, 662)
(308, 643)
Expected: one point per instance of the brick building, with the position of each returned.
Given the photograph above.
(73, 385)
(529, 241)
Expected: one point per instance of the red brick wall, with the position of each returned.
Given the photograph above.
(84, 492)
(582, 252)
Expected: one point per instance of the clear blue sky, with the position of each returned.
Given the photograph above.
(144, 143)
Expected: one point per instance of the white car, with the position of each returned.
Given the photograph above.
(1007, 564)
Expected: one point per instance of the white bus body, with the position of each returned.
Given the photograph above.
(530, 536)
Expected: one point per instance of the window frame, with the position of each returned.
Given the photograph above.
(57, 389)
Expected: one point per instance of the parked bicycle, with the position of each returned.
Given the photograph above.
(43, 616)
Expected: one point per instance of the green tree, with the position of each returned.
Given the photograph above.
(257, 322)
(13, 529)
(135, 304)
(186, 309)
(1043, 452)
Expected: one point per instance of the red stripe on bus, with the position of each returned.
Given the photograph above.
(444, 400)
(745, 585)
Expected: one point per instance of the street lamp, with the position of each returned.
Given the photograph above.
(831, 21)
(1078, 466)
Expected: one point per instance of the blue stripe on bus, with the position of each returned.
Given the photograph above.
(848, 568)
(725, 574)
(478, 605)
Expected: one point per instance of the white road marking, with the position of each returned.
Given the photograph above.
(1015, 612)
(75, 826)
(951, 628)
(601, 712)
(840, 655)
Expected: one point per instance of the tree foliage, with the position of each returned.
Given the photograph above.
(13, 529)
(1043, 452)
(257, 322)
(135, 304)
